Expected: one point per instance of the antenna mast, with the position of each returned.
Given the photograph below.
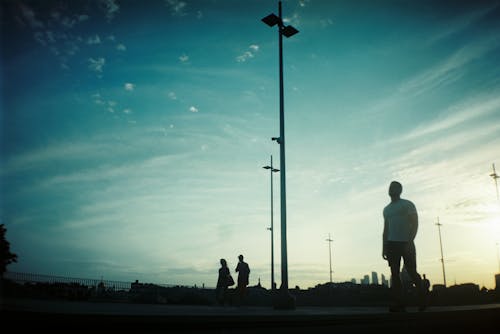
(495, 176)
(330, 240)
(441, 245)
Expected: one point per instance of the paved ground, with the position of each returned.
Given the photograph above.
(69, 317)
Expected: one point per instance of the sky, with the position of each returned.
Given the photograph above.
(133, 136)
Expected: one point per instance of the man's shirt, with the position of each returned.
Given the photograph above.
(397, 216)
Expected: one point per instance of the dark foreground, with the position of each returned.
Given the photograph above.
(82, 317)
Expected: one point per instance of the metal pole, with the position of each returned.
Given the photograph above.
(284, 254)
(441, 245)
(495, 177)
(272, 227)
(330, 253)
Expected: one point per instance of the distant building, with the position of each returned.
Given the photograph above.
(353, 280)
(385, 282)
(497, 282)
(438, 287)
(374, 278)
(365, 280)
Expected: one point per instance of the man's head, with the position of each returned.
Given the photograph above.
(395, 189)
(240, 257)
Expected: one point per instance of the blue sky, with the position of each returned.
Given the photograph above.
(133, 136)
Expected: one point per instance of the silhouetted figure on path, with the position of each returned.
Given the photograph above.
(243, 271)
(426, 286)
(400, 229)
(223, 282)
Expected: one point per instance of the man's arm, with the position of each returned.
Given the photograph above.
(413, 216)
(384, 241)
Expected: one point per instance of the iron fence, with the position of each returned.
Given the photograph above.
(90, 282)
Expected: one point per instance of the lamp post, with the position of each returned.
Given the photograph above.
(330, 240)
(441, 245)
(287, 301)
(271, 171)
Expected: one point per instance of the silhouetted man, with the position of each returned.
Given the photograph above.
(426, 284)
(400, 229)
(243, 271)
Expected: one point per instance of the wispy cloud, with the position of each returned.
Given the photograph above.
(294, 19)
(254, 47)
(248, 54)
(177, 7)
(129, 86)
(461, 23)
(193, 109)
(110, 8)
(172, 95)
(96, 65)
(121, 47)
(94, 40)
(30, 17)
(451, 69)
(326, 22)
(184, 59)
(456, 115)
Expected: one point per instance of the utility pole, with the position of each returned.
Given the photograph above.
(441, 245)
(495, 176)
(330, 240)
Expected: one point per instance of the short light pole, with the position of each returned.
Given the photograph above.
(441, 245)
(271, 171)
(287, 301)
(330, 240)
(495, 176)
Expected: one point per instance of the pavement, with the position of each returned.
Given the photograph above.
(28, 315)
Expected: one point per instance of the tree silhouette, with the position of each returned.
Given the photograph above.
(6, 256)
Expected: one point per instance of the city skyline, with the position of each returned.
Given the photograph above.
(133, 136)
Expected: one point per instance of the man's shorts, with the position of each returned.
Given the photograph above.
(396, 250)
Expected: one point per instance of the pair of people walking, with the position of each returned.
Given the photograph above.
(225, 280)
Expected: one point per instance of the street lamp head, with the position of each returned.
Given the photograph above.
(289, 31)
(271, 20)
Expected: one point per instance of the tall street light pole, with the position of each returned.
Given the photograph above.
(441, 245)
(272, 170)
(287, 301)
(330, 240)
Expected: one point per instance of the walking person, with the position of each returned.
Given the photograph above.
(426, 284)
(243, 271)
(400, 230)
(223, 282)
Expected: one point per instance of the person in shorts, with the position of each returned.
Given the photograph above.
(400, 230)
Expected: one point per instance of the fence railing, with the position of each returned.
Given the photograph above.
(90, 282)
